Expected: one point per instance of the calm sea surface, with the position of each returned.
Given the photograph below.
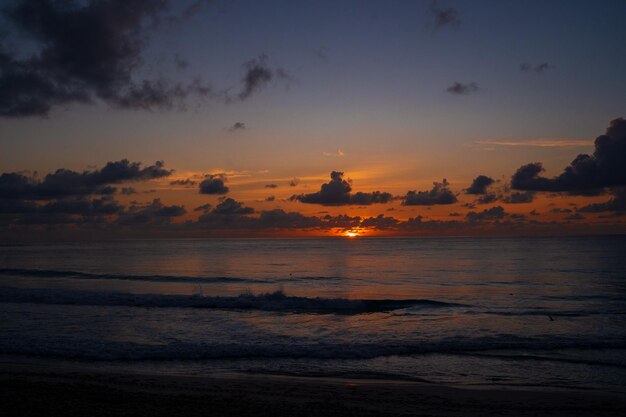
(523, 312)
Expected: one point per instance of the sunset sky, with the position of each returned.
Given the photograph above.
(293, 118)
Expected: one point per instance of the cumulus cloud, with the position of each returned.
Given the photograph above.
(519, 197)
(444, 16)
(338, 192)
(586, 174)
(493, 213)
(617, 203)
(237, 126)
(380, 222)
(538, 69)
(487, 198)
(480, 185)
(84, 50)
(185, 183)
(458, 88)
(213, 184)
(153, 213)
(65, 182)
(439, 194)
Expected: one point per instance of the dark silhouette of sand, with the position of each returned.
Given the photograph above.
(35, 391)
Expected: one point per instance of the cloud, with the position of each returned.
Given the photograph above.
(538, 69)
(237, 126)
(232, 207)
(487, 198)
(458, 88)
(480, 185)
(538, 143)
(444, 16)
(271, 186)
(257, 75)
(213, 184)
(128, 191)
(519, 197)
(270, 198)
(294, 182)
(617, 203)
(185, 183)
(337, 192)
(439, 194)
(494, 213)
(204, 207)
(339, 153)
(379, 222)
(83, 51)
(153, 213)
(586, 174)
(65, 182)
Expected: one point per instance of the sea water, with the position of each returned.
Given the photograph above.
(515, 312)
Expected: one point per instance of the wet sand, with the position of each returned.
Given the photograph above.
(37, 391)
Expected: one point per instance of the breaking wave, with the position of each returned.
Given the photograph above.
(276, 301)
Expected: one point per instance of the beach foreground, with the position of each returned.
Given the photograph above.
(32, 391)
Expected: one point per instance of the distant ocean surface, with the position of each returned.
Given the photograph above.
(517, 312)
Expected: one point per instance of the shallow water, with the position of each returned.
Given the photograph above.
(489, 311)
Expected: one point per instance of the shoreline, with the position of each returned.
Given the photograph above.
(33, 390)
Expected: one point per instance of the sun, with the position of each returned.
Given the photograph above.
(351, 233)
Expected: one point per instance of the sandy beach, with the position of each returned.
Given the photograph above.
(27, 390)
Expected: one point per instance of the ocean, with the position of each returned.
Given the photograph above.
(547, 313)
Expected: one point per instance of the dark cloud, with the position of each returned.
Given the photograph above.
(180, 63)
(617, 203)
(379, 222)
(337, 192)
(439, 194)
(271, 186)
(519, 197)
(128, 191)
(561, 210)
(237, 126)
(213, 184)
(462, 89)
(270, 198)
(151, 214)
(294, 182)
(75, 206)
(83, 51)
(65, 182)
(480, 185)
(494, 213)
(232, 207)
(539, 69)
(586, 174)
(185, 183)
(444, 16)
(487, 198)
(258, 74)
(204, 207)
(575, 216)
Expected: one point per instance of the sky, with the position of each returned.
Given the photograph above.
(290, 118)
